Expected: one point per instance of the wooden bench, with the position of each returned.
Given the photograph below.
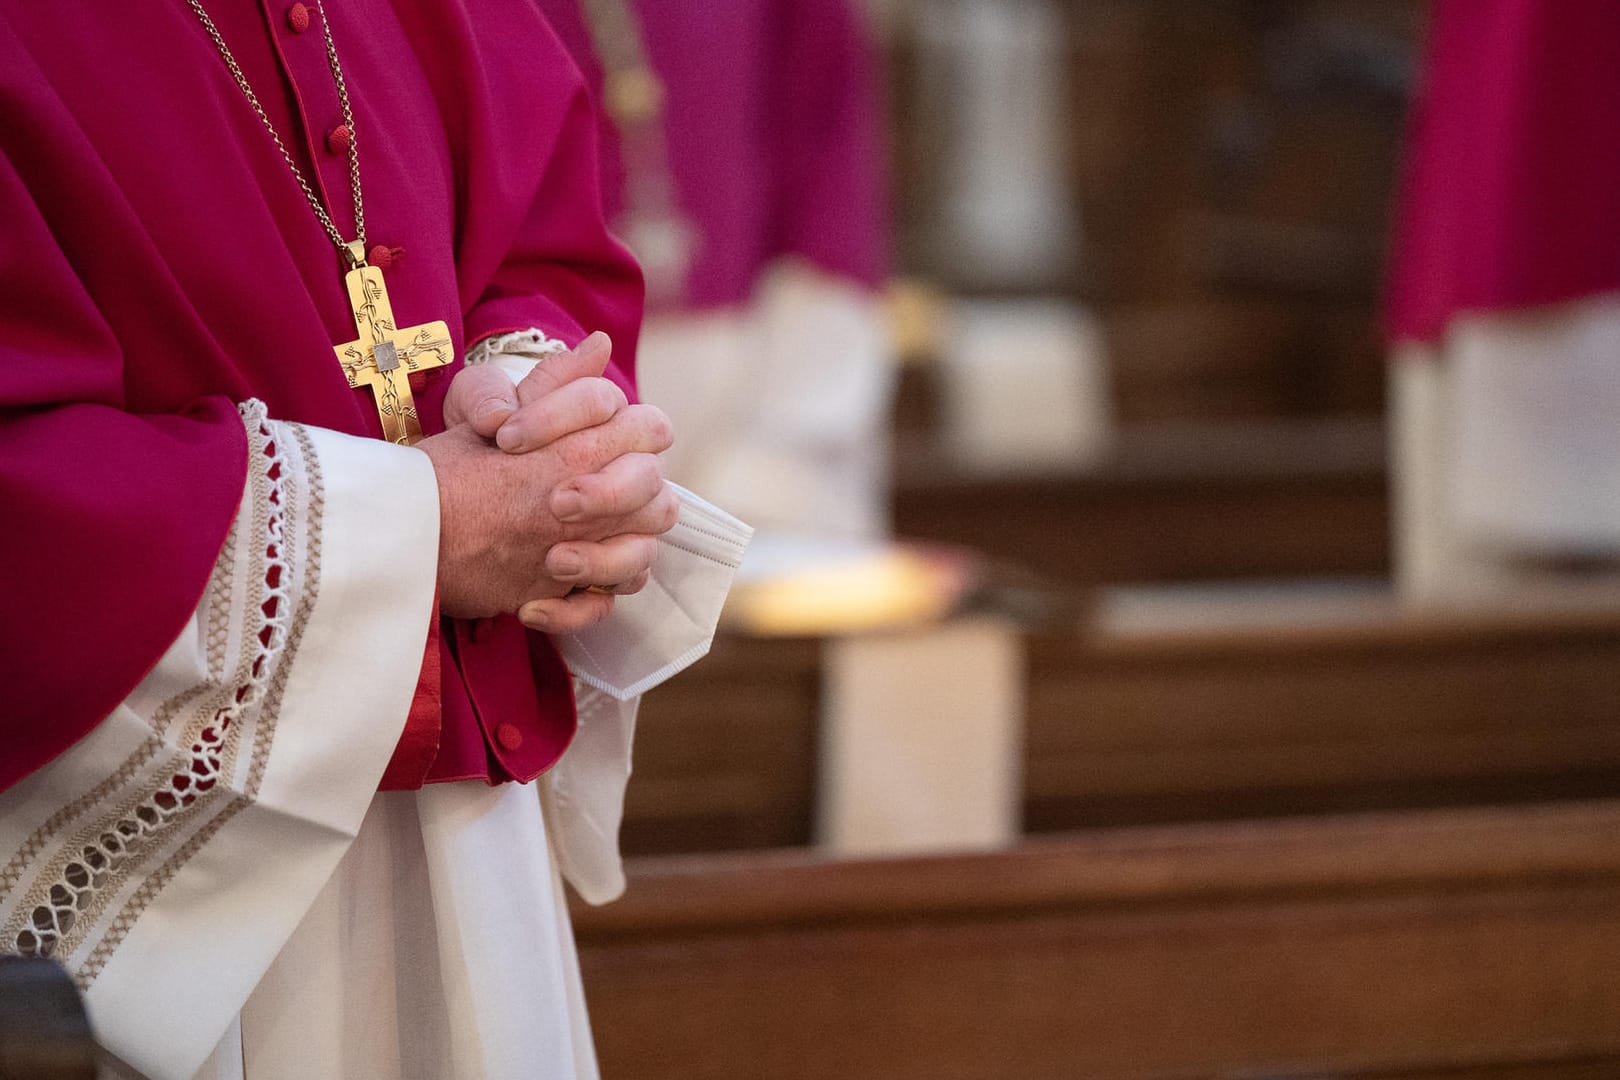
(1175, 502)
(1425, 944)
(1175, 723)
(1386, 710)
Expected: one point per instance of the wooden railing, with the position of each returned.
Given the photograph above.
(1457, 943)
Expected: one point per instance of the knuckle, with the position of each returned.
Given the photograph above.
(655, 423)
(635, 584)
(603, 491)
(586, 609)
(537, 383)
(646, 551)
(669, 510)
(603, 399)
(636, 483)
(649, 472)
(577, 458)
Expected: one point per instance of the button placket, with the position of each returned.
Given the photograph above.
(301, 48)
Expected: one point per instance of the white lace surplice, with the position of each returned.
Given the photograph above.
(213, 863)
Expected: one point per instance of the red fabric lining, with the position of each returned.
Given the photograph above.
(419, 742)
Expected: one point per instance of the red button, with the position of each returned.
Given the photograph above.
(337, 140)
(298, 18)
(508, 736)
(383, 257)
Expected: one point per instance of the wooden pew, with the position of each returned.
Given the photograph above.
(1174, 502)
(726, 753)
(1385, 710)
(1457, 944)
(1175, 723)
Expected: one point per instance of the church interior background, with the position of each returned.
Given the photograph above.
(1108, 694)
(1129, 745)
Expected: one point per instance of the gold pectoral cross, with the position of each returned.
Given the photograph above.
(383, 357)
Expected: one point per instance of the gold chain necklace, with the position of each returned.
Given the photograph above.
(348, 120)
(382, 357)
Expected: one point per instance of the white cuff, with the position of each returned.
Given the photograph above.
(166, 857)
(515, 353)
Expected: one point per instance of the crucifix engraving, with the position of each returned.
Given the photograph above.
(383, 357)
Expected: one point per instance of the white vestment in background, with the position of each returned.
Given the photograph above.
(214, 864)
(1506, 450)
(790, 394)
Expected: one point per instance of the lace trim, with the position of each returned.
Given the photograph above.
(313, 511)
(517, 343)
(65, 899)
(216, 646)
(315, 501)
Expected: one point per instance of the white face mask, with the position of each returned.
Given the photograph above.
(650, 637)
(670, 624)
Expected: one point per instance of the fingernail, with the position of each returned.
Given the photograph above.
(593, 344)
(488, 410)
(509, 438)
(533, 615)
(566, 563)
(567, 504)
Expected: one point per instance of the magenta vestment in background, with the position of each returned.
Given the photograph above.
(1511, 190)
(158, 264)
(775, 134)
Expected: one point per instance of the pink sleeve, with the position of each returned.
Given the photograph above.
(112, 520)
(560, 269)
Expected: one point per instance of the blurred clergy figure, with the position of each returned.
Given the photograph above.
(329, 526)
(743, 164)
(1504, 302)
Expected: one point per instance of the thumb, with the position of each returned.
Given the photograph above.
(589, 359)
(482, 396)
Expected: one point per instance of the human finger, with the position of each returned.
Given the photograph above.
(623, 588)
(634, 429)
(589, 358)
(618, 489)
(576, 406)
(656, 518)
(566, 614)
(482, 396)
(616, 561)
(626, 588)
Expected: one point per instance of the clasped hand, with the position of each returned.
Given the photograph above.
(547, 488)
